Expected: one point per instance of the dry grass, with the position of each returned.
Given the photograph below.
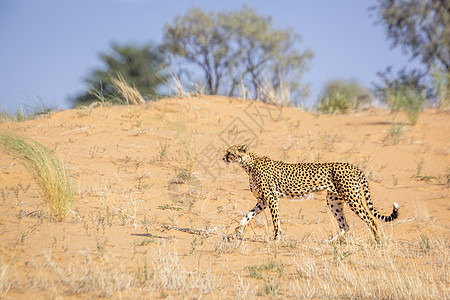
(186, 137)
(48, 170)
(90, 275)
(395, 270)
(180, 89)
(130, 94)
(4, 280)
(170, 275)
(101, 279)
(356, 270)
(176, 87)
(280, 95)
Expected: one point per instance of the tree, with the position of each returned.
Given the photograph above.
(140, 66)
(422, 29)
(237, 47)
(196, 37)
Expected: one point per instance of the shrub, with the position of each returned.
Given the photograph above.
(408, 99)
(341, 96)
(440, 80)
(336, 104)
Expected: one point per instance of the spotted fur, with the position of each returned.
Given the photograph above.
(271, 179)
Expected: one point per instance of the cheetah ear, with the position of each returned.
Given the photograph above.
(244, 148)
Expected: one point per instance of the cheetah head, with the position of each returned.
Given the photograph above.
(236, 153)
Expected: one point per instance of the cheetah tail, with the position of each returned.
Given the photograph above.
(375, 213)
(390, 218)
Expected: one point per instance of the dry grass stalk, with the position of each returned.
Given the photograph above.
(358, 270)
(130, 94)
(4, 280)
(171, 275)
(275, 95)
(177, 87)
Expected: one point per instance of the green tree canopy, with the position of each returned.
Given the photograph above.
(422, 29)
(237, 47)
(140, 66)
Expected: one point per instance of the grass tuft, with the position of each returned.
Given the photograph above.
(395, 133)
(26, 112)
(337, 104)
(409, 99)
(130, 94)
(48, 170)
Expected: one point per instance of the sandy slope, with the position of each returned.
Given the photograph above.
(126, 162)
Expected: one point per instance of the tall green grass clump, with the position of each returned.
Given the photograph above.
(341, 96)
(335, 104)
(440, 80)
(48, 170)
(409, 99)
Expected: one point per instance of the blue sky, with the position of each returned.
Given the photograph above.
(49, 46)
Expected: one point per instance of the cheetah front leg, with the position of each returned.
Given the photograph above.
(259, 207)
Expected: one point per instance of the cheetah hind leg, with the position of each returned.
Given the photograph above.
(335, 204)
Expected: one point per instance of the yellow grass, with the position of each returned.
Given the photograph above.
(48, 170)
(130, 94)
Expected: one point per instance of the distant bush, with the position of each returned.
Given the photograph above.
(341, 96)
(336, 104)
(440, 80)
(408, 99)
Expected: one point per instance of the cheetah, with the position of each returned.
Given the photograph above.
(270, 179)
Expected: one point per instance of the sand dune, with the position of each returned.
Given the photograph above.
(142, 225)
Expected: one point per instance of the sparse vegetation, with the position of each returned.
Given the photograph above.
(167, 206)
(47, 168)
(272, 288)
(26, 112)
(271, 267)
(336, 104)
(441, 84)
(388, 278)
(148, 226)
(409, 99)
(130, 94)
(187, 140)
(340, 97)
(122, 94)
(170, 275)
(395, 133)
(163, 151)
